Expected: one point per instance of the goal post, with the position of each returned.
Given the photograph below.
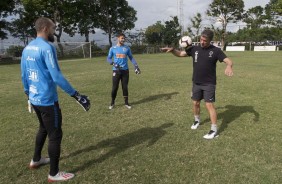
(73, 50)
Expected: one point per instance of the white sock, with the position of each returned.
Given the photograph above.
(214, 127)
(197, 118)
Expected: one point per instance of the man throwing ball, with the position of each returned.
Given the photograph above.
(205, 58)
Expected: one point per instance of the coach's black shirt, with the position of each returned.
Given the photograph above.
(204, 63)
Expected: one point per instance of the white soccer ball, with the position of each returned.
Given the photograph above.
(185, 41)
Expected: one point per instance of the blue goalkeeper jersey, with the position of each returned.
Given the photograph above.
(121, 54)
(41, 74)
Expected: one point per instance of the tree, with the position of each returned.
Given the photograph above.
(263, 34)
(116, 16)
(6, 9)
(275, 6)
(226, 11)
(274, 12)
(194, 30)
(254, 17)
(88, 18)
(172, 31)
(135, 38)
(154, 33)
(63, 13)
(20, 28)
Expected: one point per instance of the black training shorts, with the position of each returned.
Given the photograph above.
(203, 91)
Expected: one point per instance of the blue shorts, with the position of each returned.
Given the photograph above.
(203, 91)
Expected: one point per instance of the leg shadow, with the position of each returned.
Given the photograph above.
(122, 143)
(166, 96)
(233, 112)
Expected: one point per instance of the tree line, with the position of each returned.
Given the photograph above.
(84, 17)
(70, 16)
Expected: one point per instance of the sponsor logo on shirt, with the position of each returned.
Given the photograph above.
(33, 75)
(120, 56)
(35, 100)
(32, 48)
(30, 58)
(33, 89)
(196, 56)
(210, 53)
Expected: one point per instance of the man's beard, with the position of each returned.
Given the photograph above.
(51, 38)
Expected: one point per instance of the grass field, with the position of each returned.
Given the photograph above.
(152, 143)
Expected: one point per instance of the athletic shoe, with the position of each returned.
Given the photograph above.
(111, 106)
(61, 176)
(128, 106)
(212, 134)
(195, 125)
(42, 161)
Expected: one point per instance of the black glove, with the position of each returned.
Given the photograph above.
(116, 65)
(82, 100)
(137, 70)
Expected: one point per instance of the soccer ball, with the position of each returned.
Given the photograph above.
(185, 41)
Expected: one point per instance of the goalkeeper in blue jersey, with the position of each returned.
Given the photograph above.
(120, 53)
(41, 75)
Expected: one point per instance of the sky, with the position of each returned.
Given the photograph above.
(151, 11)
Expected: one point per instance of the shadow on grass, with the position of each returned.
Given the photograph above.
(166, 96)
(121, 144)
(231, 113)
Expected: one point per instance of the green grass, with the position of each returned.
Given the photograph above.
(152, 143)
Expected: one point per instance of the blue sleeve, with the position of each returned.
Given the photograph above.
(56, 74)
(24, 77)
(133, 61)
(110, 56)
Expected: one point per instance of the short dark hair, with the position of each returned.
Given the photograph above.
(120, 34)
(42, 22)
(207, 33)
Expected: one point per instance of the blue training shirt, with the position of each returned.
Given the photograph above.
(120, 54)
(41, 74)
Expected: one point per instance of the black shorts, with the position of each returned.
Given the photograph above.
(206, 92)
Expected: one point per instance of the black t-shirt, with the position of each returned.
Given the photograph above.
(204, 63)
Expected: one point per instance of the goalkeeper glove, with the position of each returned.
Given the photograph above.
(82, 100)
(116, 65)
(30, 107)
(137, 70)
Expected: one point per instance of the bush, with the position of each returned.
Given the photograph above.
(15, 50)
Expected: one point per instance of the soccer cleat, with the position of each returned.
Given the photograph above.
(42, 161)
(195, 125)
(212, 134)
(61, 176)
(128, 106)
(111, 106)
